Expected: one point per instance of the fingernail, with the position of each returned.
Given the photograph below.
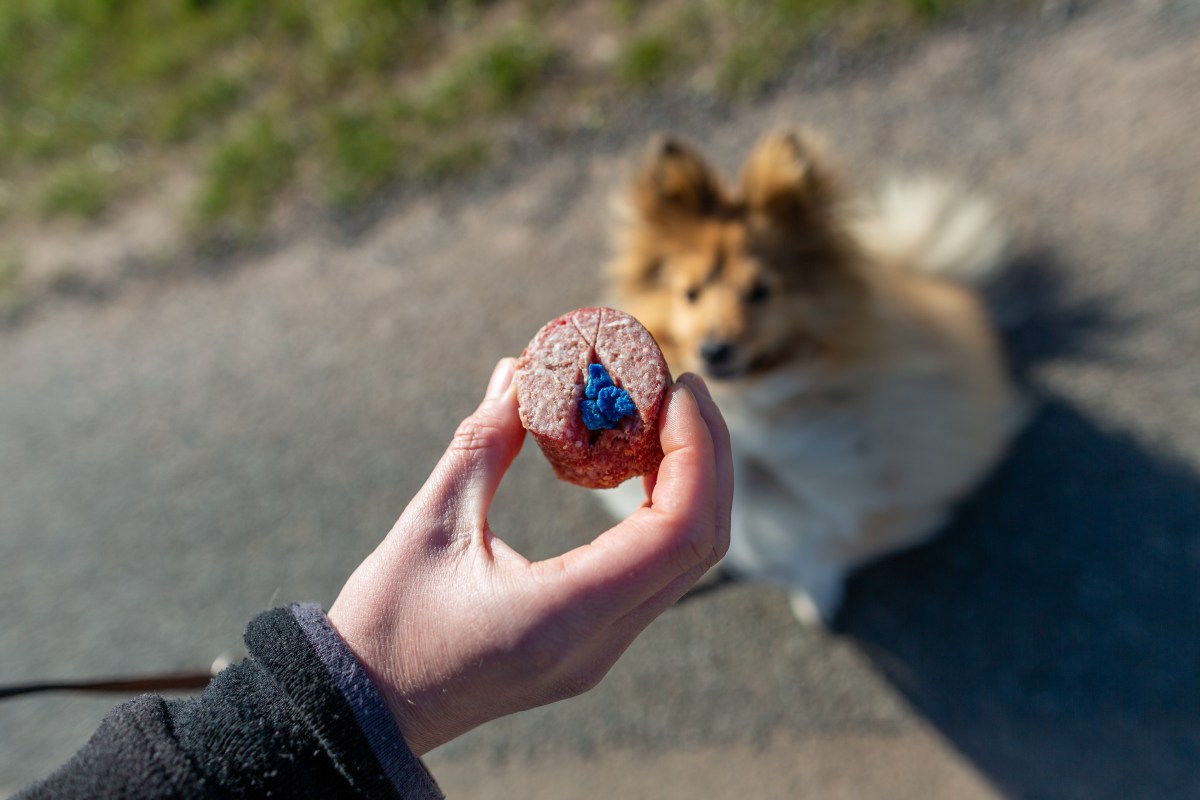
(696, 383)
(679, 388)
(502, 378)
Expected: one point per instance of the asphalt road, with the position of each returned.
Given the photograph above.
(176, 457)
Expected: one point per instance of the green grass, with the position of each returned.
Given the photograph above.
(645, 60)
(73, 190)
(7, 200)
(773, 33)
(625, 11)
(244, 174)
(363, 153)
(345, 98)
(510, 68)
(937, 9)
(148, 77)
(430, 130)
(455, 159)
(197, 107)
(11, 298)
(495, 79)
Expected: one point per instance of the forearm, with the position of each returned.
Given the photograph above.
(298, 718)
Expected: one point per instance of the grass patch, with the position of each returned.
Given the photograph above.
(7, 200)
(496, 78)
(198, 107)
(433, 130)
(245, 172)
(363, 153)
(354, 95)
(10, 273)
(11, 298)
(510, 68)
(645, 60)
(74, 191)
(933, 10)
(773, 33)
(454, 160)
(625, 11)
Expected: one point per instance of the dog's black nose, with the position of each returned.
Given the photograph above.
(716, 353)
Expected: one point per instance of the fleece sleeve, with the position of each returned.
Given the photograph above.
(298, 718)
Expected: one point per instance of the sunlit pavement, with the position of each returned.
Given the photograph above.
(179, 457)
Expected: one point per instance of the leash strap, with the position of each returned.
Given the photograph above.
(131, 685)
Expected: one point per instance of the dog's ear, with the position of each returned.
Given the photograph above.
(674, 181)
(786, 180)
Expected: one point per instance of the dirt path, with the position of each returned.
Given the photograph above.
(176, 458)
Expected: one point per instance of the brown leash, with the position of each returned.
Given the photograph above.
(131, 685)
(181, 681)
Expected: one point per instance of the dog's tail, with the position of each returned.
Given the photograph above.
(936, 227)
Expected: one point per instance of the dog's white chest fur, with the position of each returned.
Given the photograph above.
(820, 488)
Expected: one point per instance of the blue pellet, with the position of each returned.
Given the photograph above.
(604, 405)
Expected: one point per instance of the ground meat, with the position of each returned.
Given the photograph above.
(551, 378)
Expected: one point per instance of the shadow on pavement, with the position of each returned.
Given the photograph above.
(1051, 634)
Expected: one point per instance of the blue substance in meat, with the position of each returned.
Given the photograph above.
(604, 405)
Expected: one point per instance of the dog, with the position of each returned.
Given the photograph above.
(844, 341)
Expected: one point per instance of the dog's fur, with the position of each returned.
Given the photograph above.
(863, 385)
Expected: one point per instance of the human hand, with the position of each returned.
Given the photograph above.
(456, 628)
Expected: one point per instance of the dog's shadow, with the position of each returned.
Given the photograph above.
(1053, 634)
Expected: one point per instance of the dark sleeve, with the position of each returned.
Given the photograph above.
(298, 718)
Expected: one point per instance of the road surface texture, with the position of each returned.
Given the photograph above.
(178, 456)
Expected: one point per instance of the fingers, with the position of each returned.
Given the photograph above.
(463, 483)
(722, 452)
(684, 529)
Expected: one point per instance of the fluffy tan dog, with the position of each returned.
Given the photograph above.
(863, 385)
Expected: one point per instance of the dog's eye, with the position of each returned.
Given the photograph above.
(652, 273)
(758, 292)
(693, 294)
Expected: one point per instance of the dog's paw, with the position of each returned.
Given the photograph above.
(805, 610)
(816, 606)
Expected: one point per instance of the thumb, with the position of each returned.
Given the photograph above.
(465, 480)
